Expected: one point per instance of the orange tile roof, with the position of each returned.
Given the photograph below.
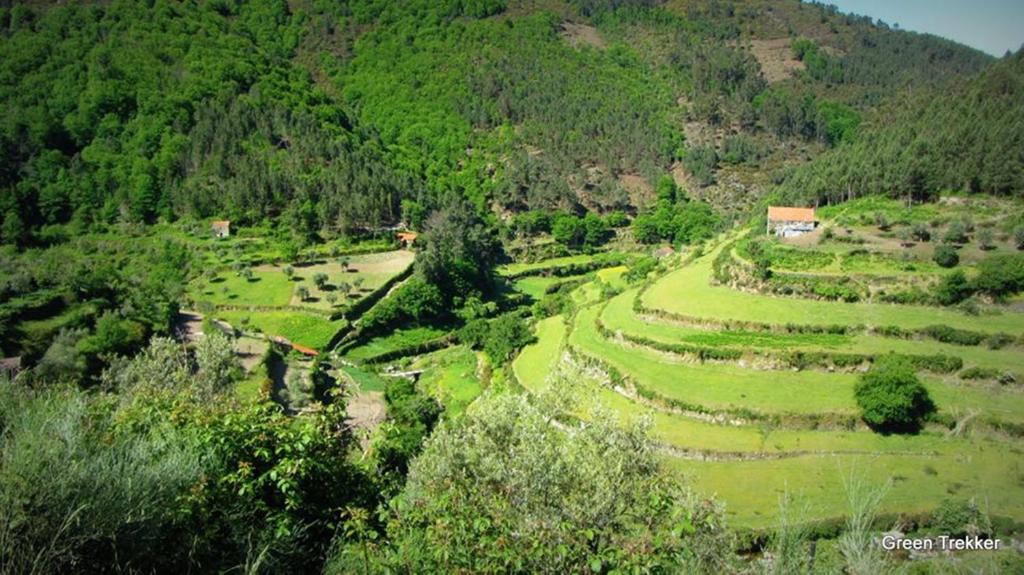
(303, 349)
(220, 223)
(407, 235)
(784, 214)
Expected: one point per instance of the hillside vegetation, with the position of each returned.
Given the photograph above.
(486, 286)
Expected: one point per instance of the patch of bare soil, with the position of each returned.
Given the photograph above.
(639, 189)
(582, 35)
(776, 59)
(366, 410)
(249, 351)
(188, 326)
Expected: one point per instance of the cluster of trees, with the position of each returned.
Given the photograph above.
(676, 218)
(109, 295)
(790, 114)
(101, 481)
(500, 337)
(125, 112)
(966, 139)
(998, 276)
(880, 60)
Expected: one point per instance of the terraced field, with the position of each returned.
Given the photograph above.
(689, 292)
(742, 424)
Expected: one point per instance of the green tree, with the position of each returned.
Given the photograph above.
(954, 288)
(320, 280)
(946, 256)
(460, 250)
(891, 398)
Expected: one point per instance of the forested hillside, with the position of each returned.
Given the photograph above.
(970, 138)
(461, 286)
(324, 116)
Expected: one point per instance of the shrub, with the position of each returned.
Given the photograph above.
(891, 398)
(960, 519)
(1018, 237)
(956, 233)
(920, 232)
(1001, 275)
(953, 289)
(947, 334)
(617, 219)
(489, 475)
(977, 372)
(986, 239)
(946, 256)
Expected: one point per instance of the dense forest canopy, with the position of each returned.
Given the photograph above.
(970, 139)
(325, 116)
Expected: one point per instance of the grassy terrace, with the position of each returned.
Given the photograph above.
(688, 291)
(451, 376)
(271, 287)
(752, 489)
(306, 329)
(729, 386)
(618, 315)
(538, 360)
(393, 341)
(925, 469)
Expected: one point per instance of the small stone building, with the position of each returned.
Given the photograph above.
(407, 239)
(221, 228)
(790, 222)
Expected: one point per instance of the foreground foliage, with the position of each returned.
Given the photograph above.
(505, 488)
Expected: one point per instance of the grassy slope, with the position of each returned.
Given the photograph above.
(450, 376)
(688, 291)
(728, 386)
(302, 328)
(618, 316)
(751, 488)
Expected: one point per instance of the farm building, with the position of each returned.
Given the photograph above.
(664, 252)
(407, 239)
(221, 228)
(790, 222)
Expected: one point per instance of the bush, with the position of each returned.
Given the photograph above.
(977, 372)
(617, 219)
(946, 256)
(960, 519)
(891, 398)
(956, 233)
(1001, 275)
(953, 289)
(491, 475)
(920, 232)
(947, 334)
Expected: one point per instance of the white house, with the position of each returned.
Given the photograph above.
(790, 222)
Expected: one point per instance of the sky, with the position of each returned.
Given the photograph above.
(993, 26)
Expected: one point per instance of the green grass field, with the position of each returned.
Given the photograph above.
(618, 316)
(397, 339)
(306, 329)
(266, 288)
(450, 376)
(271, 287)
(924, 469)
(688, 291)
